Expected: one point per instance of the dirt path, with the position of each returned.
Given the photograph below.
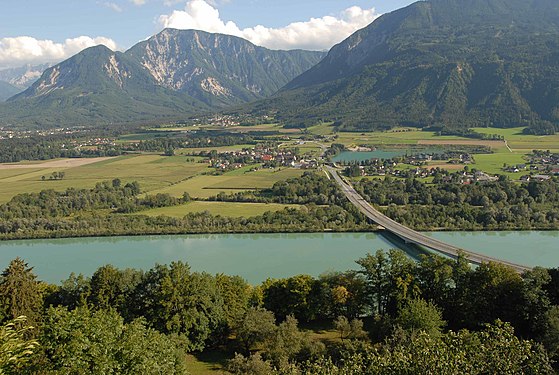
(59, 163)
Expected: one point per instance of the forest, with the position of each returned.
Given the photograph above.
(499, 205)
(98, 143)
(388, 313)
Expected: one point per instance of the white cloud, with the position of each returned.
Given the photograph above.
(22, 50)
(113, 6)
(314, 34)
(138, 2)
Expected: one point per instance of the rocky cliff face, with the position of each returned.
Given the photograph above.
(218, 68)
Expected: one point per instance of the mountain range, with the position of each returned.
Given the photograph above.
(441, 64)
(174, 73)
(449, 64)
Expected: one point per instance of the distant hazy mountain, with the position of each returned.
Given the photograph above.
(23, 76)
(449, 63)
(7, 90)
(172, 74)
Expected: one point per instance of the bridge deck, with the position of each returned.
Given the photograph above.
(411, 235)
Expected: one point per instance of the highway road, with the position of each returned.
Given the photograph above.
(410, 235)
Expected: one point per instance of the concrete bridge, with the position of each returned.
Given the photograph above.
(410, 235)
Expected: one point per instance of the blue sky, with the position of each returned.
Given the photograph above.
(54, 25)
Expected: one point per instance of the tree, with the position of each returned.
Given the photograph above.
(291, 296)
(15, 349)
(85, 342)
(174, 300)
(20, 293)
(419, 315)
(375, 270)
(492, 291)
(390, 280)
(236, 294)
(251, 365)
(350, 330)
(112, 288)
(257, 326)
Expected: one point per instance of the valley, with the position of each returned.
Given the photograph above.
(374, 191)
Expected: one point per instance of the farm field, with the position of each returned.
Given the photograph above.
(518, 141)
(151, 171)
(229, 209)
(205, 186)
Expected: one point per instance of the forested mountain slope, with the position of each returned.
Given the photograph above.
(450, 63)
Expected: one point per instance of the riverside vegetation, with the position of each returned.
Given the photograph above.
(115, 208)
(382, 317)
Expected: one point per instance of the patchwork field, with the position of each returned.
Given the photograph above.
(155, 173)
(518, 141)
(151, 171)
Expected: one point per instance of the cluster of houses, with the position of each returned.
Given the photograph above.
(93, 142)
(451, 158)
(542, 166)
(267, 156)
(10, 133)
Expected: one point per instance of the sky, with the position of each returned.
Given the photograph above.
(39, 31)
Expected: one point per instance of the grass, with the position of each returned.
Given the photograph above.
(206, 186)
(214, 362)
(493, 163)
(151, 171)
(524, 142)
(229, 209)
(207, 363)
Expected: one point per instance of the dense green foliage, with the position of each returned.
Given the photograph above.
(130, 321)
(438, 63)
(106, 209)
(15, 349)
(86, 342)
(67, 146)
(497, 205)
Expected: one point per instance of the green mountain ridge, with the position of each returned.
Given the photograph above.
(171, 75)
(453, 64)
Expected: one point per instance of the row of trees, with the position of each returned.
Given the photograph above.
(502, 204)
(99, 211)
(45, 147)
(129, 321)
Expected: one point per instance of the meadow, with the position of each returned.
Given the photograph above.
(178, 174)
(155, 174)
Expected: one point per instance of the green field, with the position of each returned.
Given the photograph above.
(151, 171)
(205, 186)
(155, 173)
(229, 209)
(518, 141)
(519, 144)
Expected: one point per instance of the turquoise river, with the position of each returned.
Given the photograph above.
(257, 256)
